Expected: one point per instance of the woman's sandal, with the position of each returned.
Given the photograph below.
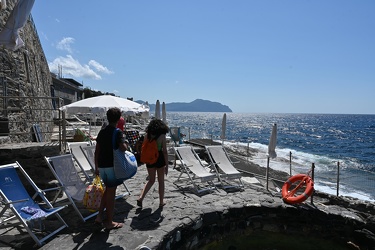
(162, 205)
(139, 203)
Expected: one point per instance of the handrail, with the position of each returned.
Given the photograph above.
(24, 119)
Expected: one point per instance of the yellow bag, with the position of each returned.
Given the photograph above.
(93, 195)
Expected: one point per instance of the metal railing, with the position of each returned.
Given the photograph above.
(31, 119)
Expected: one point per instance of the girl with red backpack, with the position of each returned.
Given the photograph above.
(156, 130)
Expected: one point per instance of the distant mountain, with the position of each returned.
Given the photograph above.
(197, 105)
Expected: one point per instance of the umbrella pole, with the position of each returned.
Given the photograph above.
(90, 125)
(267, 170)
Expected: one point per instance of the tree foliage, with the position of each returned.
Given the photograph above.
(92, 93)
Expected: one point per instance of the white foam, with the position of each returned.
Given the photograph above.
(325, 168)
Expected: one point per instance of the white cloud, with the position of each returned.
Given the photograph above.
(73, 67)
(65, 43)
(100, 68)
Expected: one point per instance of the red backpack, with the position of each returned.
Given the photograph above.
(149, 152)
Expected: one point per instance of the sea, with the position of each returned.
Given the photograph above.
(341, 146)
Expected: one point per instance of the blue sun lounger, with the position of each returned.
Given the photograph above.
(18, 208)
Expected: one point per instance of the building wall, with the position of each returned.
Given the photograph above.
(24, 73)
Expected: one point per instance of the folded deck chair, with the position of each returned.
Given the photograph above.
(89, 154)
(223, 166)
(80, 158)
(70, 182)
(18, 208)
(192, 166)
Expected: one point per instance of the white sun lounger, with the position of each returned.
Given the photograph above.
(70, 183)
(221, 163)
(80, 159)
(192, 166)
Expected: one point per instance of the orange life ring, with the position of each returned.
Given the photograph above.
(304, 181)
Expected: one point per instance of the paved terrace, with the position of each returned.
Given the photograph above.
(189, 221)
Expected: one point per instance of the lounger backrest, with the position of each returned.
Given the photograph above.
(191, 160)
(68, 176)
(89, 153)
(14, 190)
(187, 156)
(219, 156)
(221, 159)
(19, 210)
(75, 150)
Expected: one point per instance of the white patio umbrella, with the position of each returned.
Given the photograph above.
(163, 113)
(9, 36)
(100, 104)
(271, 150)
(223, 127)
(157, 110)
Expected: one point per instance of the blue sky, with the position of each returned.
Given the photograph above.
(271, 56)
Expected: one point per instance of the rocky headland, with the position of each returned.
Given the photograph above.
(197, 105)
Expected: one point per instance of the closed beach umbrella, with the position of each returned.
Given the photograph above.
(271, 150)
(272, 143)
(9, 36)
(157, 110)
(163, 112)
(223, 126)
(3, 4)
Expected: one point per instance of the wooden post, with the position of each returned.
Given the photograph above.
(63, 131)
(267, 170)
(290, 163)
(248, 151)
(312, 177)
(338, 178)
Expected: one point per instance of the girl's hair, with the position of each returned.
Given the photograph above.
(113, 115)
(156, 127)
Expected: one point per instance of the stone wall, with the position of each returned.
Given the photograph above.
(291, 227)
(31, 158)
(24, 73)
